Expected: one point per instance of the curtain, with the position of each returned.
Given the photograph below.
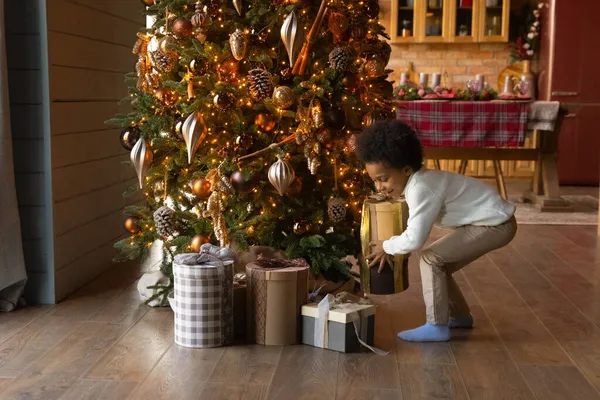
(12, 264)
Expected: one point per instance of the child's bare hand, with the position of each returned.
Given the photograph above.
(378, 256)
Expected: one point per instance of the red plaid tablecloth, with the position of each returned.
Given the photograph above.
(466, 123)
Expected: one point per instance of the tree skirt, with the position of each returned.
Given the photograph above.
(585, 212)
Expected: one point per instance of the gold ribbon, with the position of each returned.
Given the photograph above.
(214, 207)
(365, 239)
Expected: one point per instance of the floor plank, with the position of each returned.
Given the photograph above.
(38, 386)
(523, 334)
(367, 371)
(138, 351)
(4, 382)
(75, 354)
(126, 308)
(305, 373)
(180, 374)
(248, 364)
(232, 391)
(86, 389)
(558, 383)
(431, 382)
(12, 322)
(369, 394)
(32, 343)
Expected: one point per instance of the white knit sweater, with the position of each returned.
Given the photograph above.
(447, 200)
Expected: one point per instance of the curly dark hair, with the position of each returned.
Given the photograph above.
(392, 143)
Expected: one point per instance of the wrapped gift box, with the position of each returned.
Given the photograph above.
(239, 307)
(382, 219)
(203, 298)
(276, 291)
(338, 328)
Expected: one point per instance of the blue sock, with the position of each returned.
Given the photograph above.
(426, 333)
(462, 322)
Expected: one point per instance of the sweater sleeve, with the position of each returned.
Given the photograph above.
(424, 207)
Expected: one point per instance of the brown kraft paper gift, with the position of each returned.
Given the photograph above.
(276, 291)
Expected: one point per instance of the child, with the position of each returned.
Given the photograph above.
(481, 219)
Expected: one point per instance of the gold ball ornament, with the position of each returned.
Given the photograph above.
(228, 71)
(199, 66)
(201, 187)
(182, 27)
(350, 82)
(130, 225)
(265, 121)
(375, 67)
(166, 44)
(197, 242)
(337, 23)
(301, 227)
(283, 97)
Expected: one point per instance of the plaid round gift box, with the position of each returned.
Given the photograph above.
(203, 300)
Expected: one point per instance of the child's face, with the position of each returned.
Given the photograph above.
(390, 181)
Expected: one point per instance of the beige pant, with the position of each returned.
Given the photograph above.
(444, 257)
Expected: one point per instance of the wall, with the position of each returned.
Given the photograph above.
(67, 60)
(27, 75)
(461, 61)
(89, 44)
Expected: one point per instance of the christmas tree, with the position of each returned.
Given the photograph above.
(242, 128)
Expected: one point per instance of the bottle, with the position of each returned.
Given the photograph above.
(528, 77)
(406, 32)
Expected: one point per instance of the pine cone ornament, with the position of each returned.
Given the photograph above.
(336, 209)
(260, 83)
(341, 58)
(162, 61)
(166, 222)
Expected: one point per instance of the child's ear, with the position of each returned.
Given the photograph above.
(407, 171)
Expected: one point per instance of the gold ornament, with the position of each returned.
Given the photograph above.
(281, 175)
(265, 121)
(214, 206)
(141, 157)
(316, 112)
(289, 28)
(130, 225)
(301, 227)
(338, 25)
(148, 3)
(166, 44)
(375, 67)
(239, 44)
(193, 131)
(201, 187)
(197, 242)
(283, 97)
(200, 19)
(367, 120)
(238, 6)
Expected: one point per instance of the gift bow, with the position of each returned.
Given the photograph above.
(209, 253)
(342, 301)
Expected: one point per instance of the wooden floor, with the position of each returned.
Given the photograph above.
(536, 305)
